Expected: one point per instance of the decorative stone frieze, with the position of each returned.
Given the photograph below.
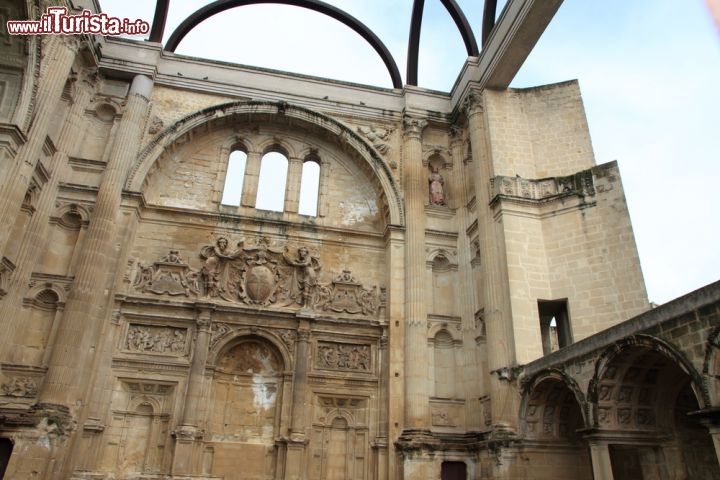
(19, 387)
(261, 275)
(342, 356)
(156, 339)
(543, 189)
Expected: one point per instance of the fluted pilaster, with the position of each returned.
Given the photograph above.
(496, 293)
(36, 232)
(59, 54)
(297, 429)
(68, 367)
(416, 367)
(197, 368)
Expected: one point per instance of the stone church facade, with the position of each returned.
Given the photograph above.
(463, 299)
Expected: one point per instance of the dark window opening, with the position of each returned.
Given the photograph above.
(453, 471)
(554, 325)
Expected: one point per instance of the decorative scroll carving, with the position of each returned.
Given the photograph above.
(339, 356)
(168, 276)
(20, 387)
(151, 339)
(289, 337)
(346, 294)
(217, 331)
(378, 137)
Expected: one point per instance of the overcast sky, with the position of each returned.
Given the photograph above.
(649, 72)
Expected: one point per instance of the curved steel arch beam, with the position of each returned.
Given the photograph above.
(414, 42)
(461, 23)
(158, 25)
(315, 5)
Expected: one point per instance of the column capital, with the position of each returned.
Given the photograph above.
(472, 104)
(413, 126)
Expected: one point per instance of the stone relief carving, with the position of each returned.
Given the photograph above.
(289, 337)
(346, 294)
(378, 137)
(156, 124)
(20, 387)
(343, 356)
(442, 418)
(217, 331)
(580, 184)
(168, 276)
(145, 338)
(259, 274)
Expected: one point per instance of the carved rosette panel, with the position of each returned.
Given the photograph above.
(156, 339)
(343, 356)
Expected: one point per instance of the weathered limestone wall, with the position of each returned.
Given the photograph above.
(565, 225)
(538, 132)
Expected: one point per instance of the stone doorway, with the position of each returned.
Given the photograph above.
(6, 446)
(453, 471)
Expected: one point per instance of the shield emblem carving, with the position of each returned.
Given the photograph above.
(260, 284)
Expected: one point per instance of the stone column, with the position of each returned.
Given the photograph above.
(185, 457)
(600, 457)
(496, 294)
(416, 366)
(58, 56)
(252, 177)
(36, 233)
(292, 192)
(323, 188)
(298, 439)
(66, 380)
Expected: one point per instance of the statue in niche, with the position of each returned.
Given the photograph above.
(436, 187)
(304, 276)
(221, 279)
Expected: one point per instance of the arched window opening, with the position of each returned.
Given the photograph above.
(232, 192)
(309, 188)
(272, 181)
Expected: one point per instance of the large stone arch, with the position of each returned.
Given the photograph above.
(641, 345)
(282, 113)
(547, 384)
(553, 417)
(711, 367)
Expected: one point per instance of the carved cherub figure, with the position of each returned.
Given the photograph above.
(305, 275)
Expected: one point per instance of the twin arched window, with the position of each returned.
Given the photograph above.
(279, 185)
